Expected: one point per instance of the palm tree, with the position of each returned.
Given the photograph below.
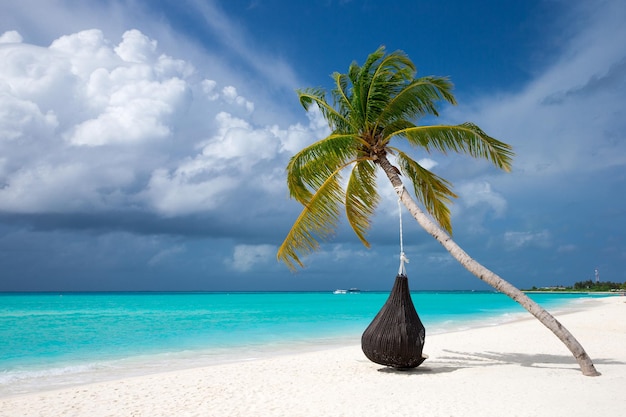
(372, 105)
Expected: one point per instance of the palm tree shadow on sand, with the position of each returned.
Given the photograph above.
(455, 360)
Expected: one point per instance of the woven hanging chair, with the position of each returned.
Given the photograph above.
(396, 336)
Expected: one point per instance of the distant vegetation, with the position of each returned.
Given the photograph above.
(586, 286)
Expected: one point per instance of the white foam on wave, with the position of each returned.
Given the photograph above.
(25, 380)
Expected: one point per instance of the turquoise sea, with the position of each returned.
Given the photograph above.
(53, 340)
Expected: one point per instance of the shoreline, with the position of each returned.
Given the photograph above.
(68, 374)
(517, 368)
(617, 292)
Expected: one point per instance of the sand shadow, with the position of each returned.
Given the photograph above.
(420, 370)
(455, 360)
(535, 360)
(425, 367)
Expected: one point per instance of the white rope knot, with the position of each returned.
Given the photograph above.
(403, 258)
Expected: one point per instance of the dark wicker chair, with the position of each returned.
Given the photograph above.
(396, 336)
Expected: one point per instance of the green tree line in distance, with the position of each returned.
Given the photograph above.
(586, 286)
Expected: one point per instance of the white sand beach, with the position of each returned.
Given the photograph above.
(515, 369)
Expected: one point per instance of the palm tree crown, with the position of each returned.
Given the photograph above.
(373, 104)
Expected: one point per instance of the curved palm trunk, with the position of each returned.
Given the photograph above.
(584, 361)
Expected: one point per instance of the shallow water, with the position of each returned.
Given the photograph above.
(53, 340)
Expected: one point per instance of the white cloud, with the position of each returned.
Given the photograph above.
(45, 188)
(85, 51)
(136, 47)
(342, 254)
(298, 136)
(135, 112)
(427, 163)
(34, 74)
(11, 36)
(126, 93)
(90, 124)
(208, 87)
(186, 191)
(22, 118)
(246, 257)
(230, 96)
(518, 240)
(474, 194)
(238, 140)
(79, 92)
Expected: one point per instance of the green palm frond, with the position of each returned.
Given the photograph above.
(367, 82)
(317, 221)
(365, 72)
(353, 72)
(417, 100)
(341, 93)
(389, 76)
(398, 125)
(432, 191)
(310, 96)
(308, 169)
(361, 198)
(464, 138)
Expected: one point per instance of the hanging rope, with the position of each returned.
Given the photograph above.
(403, 258)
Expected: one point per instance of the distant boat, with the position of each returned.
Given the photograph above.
(351, 291)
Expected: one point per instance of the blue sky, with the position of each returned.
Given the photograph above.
(143, 143)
